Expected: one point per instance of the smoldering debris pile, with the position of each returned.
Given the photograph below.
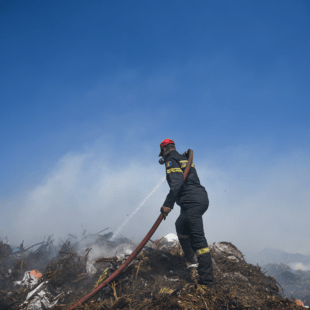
(158, 278)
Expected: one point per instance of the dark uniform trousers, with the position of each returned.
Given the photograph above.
(189, 224)
(192, 197)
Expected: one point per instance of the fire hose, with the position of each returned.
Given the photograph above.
(137, 250)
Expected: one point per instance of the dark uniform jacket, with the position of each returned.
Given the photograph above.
(188, 193)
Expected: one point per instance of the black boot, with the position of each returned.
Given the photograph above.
(188, 251)
(205, 269)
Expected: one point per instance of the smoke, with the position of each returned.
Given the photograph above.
(299, 266)
(86, 191)
(119, 251)
(251, 204)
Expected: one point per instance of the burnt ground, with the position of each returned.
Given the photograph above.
(157, 279)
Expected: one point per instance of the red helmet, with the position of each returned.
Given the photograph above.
(164, 143)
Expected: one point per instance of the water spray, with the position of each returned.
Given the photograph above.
(137, 209)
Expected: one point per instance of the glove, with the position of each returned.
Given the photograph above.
(164, 211)
(186, 153)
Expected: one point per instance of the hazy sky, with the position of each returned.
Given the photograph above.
(90, 88)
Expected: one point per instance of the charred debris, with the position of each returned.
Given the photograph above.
(55, 277)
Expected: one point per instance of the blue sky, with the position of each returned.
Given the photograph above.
(102, 79)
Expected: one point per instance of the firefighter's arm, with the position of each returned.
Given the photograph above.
(175, 180)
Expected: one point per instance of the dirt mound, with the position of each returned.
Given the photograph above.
(159, 278)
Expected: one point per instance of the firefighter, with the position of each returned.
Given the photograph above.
(193, 199)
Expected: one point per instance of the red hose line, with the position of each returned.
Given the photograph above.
(136, 251)
(189, 163)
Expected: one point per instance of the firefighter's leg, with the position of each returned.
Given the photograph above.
(205, 267)
(187, 249)
(200, 245)
(182, 228)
